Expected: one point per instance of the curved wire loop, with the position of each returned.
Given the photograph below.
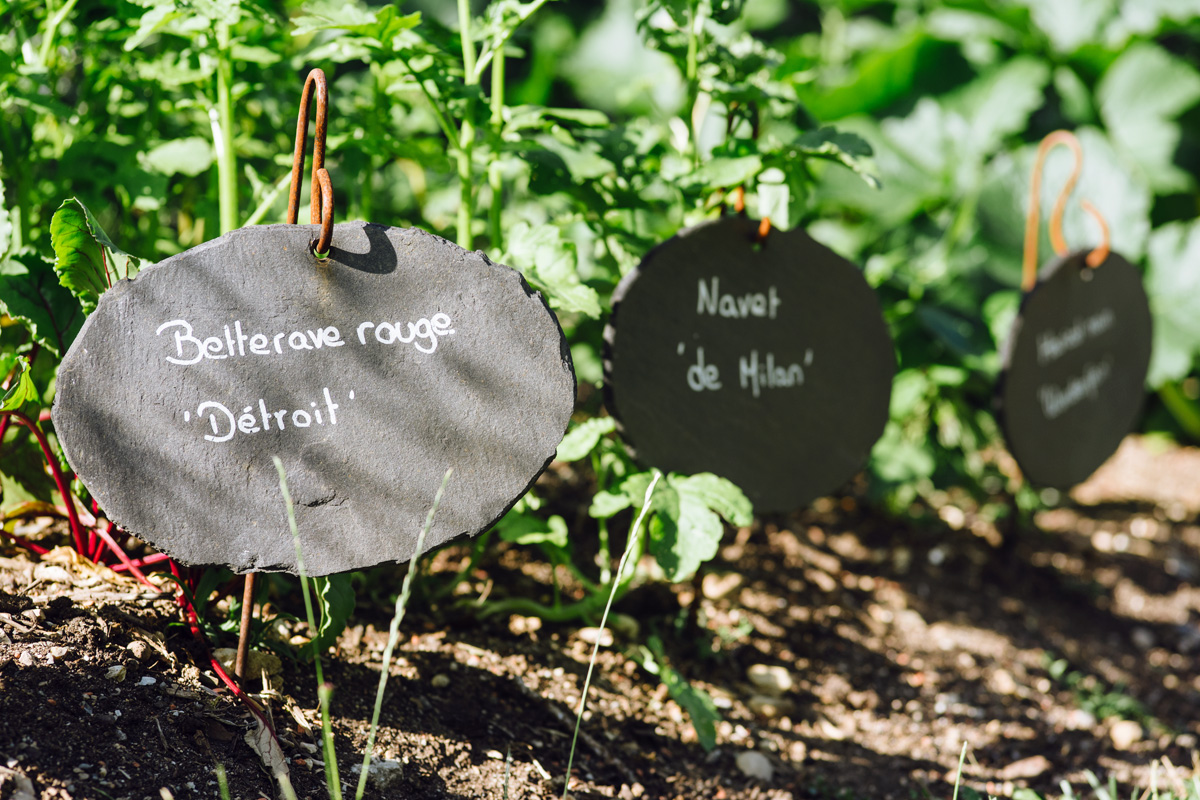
(1029, 263)
(739, 206)
(321, 189)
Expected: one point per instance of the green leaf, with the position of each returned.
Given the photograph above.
(1173, 287)
(718, 494)
(529, 529)
(86, 260)
(21, 390)
(999, 103)
(31, 294)
(605, 504)
(581, 439)
(550, 263)
(1140, 96)
(842, 147)
(880, 77)
(684, 532)
(336, 600)
(697, 703)
(1070, 24)
(190, 156)
(382, 26)
(724, 172)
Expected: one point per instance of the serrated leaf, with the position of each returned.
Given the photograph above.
(720, 495)
(86, 260)
(190, 156)
(684, 532)
(21, 390)
(581, 439)
(1140, 96)
(336, 600)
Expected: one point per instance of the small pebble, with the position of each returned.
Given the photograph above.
(138, 649)
(769, 706)
(770, 679)
(1143, 638)
(439, 681)
(754, 764)
(1125, 734)
(25, 659)
(147, 681)
(115, 673)
(592, 635)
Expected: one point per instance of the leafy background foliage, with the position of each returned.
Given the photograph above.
(568, 139)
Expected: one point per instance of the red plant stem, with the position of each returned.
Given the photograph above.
(64, 485)
(153, 558)
(194, 623)
(21, 540)
(129, 565)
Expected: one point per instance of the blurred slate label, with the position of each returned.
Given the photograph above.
(368, 374)
(769, 365)
(1074, 368)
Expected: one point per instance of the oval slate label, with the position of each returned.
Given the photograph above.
(1074, 368)
(368, 374)
(770, 367)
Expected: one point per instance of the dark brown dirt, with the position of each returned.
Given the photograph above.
(901, 642)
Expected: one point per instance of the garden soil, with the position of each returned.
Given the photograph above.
(848, 654)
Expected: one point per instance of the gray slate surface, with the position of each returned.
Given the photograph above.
(491, 399)
(791, 308)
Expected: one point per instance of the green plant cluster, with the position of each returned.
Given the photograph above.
(954, 98)
(567, 140)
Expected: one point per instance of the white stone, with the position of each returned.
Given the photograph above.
(754, 764)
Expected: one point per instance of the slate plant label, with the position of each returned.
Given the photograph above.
(768, 365)
(1075, 368)
(368, 374)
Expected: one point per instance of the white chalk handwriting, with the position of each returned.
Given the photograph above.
(186, 348)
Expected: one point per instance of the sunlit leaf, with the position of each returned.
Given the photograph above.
(581, 439)
(21, 389)
(1140, 96)
(86, 260)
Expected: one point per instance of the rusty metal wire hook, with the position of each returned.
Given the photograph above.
(1029, 262)
(321, 189)
(739, 207)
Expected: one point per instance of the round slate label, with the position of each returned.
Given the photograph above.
(769, 364)
(1074, 369)
(368, 374)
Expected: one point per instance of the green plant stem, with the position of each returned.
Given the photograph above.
(695, 21)
(394, 636)
(495, 179)
(630, 546)
(51, 32)
(222, 124)
(324, 690)
(1185, 411)
(466, 132)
